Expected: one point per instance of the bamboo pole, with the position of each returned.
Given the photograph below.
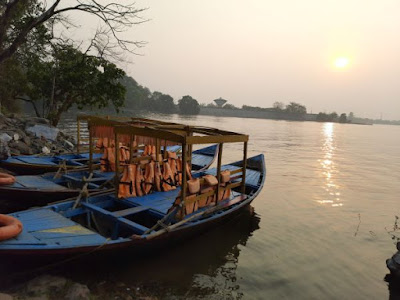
(90, 150)
(219, 170)
(244, 167)
(116, 165)
(130, 148)
(184, 178)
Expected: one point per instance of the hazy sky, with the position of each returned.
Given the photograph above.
(256, 52)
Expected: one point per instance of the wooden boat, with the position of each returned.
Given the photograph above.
(39, 190)
(106, 222)
(40, 164)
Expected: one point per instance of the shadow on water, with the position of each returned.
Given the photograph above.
(205, 265)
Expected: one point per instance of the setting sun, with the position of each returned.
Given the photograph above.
(341, 62)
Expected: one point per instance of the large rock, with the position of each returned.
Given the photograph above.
(20, 146)
(45, 284)
(5, 297)
(49, 133)
(4, 150)
(5, 137)
(78, 292)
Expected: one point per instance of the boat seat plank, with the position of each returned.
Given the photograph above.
(38, 160)
(81, 240)
(130, 211)
(31, 181)
(40, 219)
(67, 231)
(137, 228)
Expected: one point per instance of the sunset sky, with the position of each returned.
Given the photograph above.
(330, 55)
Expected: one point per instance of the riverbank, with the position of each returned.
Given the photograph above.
(28, 135)
(49, 287)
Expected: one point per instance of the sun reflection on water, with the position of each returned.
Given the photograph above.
(329, 169)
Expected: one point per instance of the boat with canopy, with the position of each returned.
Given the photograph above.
(36, 190)
(159, 199)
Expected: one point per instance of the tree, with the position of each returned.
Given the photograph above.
(343, 118)
(137, 96)
(333, 117)
(296, 108)
(278, 106)
(70, 77)
(229, 106)
(20, 18)
(188, 106)
(160, 102)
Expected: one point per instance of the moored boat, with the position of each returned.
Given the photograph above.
(118, 220)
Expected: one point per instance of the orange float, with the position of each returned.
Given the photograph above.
(6, 179)
(9, 227)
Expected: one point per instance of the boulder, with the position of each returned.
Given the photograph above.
(21, 147)
(5, 297)
(5, 137)
(4, 150)
(45, 150)
(78, 291)
(45, 284)
(47, 132)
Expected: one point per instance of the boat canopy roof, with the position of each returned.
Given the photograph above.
(179, 133)
(105, 126)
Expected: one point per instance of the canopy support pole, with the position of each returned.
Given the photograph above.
(244, 167)
(219, 170)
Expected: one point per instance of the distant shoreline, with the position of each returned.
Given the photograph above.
(270, 115)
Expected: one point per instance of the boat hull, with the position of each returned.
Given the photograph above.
(135, 246)
(37, 248)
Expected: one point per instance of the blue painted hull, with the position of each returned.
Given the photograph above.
(35, 164)
(57, 230)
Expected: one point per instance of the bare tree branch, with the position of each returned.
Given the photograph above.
(115, 16)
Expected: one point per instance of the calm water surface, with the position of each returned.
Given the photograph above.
(318, 231)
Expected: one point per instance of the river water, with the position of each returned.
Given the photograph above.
(319, 228)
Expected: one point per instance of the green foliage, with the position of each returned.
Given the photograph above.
(343, 118)
(137, 96)
(332, 117)
(188, 106)
(279, 106)
(229, 106)
(162, 103)
(296, 108)
(257, 108)
(70, 77)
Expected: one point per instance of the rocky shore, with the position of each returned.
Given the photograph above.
(29, 135)
(49, 287)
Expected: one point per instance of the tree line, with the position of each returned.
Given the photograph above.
(54, 72)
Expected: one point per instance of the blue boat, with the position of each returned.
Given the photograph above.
(105, 223)
(193, 203)
(39, 164)
(39, 190)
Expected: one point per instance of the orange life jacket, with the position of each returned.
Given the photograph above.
(168, 178)
(123, 188)
(149, 177)
(157, 176)
(139, 180)
(132, 180)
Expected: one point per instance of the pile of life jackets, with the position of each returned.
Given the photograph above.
(150, 175)
(203, 185)
(107, 161)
